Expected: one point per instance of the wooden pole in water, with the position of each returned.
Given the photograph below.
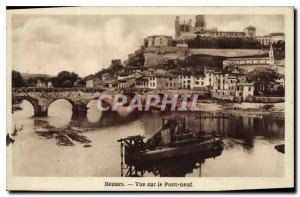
(223, 123)
(218, 117)
(200, 121)
(200, 170)
(121, 159)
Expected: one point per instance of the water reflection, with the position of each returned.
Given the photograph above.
(172, 167)
(248, 140)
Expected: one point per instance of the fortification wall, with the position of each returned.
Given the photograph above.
(155, 55)
(229, 52)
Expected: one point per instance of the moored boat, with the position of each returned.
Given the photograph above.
(173, 139)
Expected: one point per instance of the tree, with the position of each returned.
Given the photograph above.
(67, 84)
(17, 79)
(266, 78)
(223, 43)
(64, 79)
(263, 76)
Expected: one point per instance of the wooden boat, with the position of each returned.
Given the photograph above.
(173, 139)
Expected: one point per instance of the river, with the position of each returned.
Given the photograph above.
(248, 144)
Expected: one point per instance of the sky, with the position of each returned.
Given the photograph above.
(48, 44)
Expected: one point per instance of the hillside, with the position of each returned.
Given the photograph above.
(27, 76)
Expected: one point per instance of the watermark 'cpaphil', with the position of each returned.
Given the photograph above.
(108, 102)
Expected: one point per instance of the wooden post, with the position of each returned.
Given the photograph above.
(200, 169)
(121, 159)
(218, 117)
(200, 121)
(223, 123)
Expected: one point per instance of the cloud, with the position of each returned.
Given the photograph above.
(86, 44)
(46, 45)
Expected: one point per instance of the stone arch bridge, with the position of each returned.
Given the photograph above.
(79, 98)
(42, 98)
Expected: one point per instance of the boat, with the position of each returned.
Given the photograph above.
(173, 139)
(177, 166)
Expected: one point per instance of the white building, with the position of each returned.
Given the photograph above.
(89, 83)
(250, 63)
(49, 84)
(244, 91)
(203, 81)
(40, 84)
(270, 38)
(158, 41)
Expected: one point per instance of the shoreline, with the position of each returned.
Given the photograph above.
(255, 109)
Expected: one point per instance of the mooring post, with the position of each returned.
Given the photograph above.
(121, 159)
(41, 111)
(218, 117)
(200, 121)
(223, 123)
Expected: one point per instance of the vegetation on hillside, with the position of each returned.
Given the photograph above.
(17, 79)
(224, 43)
(64, 79)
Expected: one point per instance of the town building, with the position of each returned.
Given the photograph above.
(106, 76)
(142, 83)
(49, 84)
(271, 38)
(199, 81)
(89, 83)
(250, 63)
(158, 41)
(163, 81)
(93, 83)
(40, 84)
(244, 91)
(158, 81)
(126, 82)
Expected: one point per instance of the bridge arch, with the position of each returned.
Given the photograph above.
(77, 106)
(39, 110)
(60, 105)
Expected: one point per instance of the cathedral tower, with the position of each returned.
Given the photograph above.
(177, 27)
(200, 22)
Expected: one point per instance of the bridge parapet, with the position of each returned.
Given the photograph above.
(42, 98)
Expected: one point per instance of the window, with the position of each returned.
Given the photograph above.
(249, 88)
(197, 82)
(202, 83)
(209, 79)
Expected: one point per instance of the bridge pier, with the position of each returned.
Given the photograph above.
(79, 110)
(40, 111)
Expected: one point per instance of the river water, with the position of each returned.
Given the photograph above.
(248, 151)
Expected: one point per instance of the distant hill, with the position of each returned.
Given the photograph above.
(27, 76)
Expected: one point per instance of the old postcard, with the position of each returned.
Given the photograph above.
(150, 98)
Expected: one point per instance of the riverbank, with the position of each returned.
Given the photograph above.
(272, 109)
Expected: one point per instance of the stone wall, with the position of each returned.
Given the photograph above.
(265, 99)
(155, 55)
(229, 52)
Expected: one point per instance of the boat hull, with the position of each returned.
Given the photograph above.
(168, 152)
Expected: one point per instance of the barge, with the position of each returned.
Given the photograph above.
(173, 139)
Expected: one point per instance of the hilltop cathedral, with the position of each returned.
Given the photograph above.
(186, 31)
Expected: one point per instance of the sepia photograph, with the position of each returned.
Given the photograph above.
(123, 99)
